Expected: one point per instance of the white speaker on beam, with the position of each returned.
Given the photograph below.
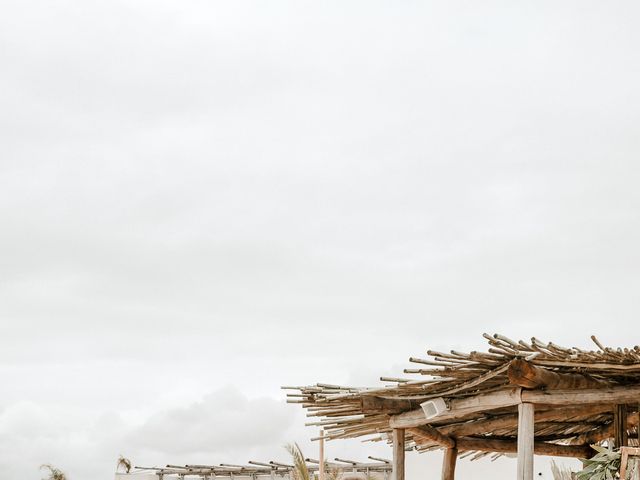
(433, 408)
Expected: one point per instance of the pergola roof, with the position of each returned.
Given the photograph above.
(574, 390)
(274, 469)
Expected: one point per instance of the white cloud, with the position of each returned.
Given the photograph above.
(222, 422)
(205, 193)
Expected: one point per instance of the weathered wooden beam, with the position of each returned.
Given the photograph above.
(510, 420)
(510, 446)
(460, 408)
(449, 464)
(371, 404)
(611, 395)
(397, 439)
(429, 433)
(527, 375)
(525, 441)
(624, 460)
(602, 433)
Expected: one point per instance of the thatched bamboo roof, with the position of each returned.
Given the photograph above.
(507, 369)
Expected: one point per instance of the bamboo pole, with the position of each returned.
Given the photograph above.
(525, 441)
(321, 456)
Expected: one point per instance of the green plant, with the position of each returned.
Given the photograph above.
(54, 473)
(125, 463)
(300, 471)
(602, 466)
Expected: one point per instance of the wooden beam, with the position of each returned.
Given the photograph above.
(602, 433)
(611, 395)
(371, 404)
(510, 446)
(525, 441)
(510, 420)
(429, 433)
(449, 463)
(527, 375)
(398, 454)
(620, 426)
(459, 408)
(624, 460)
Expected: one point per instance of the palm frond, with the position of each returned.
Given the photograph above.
(54, 473)
(301, 471)
(125, 463)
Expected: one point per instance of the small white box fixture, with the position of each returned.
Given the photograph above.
(433, 408)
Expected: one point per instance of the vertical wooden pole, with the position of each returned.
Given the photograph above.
(398, 454)
(449, 463)
(623, 463)
(321, 455)
(620, 426)
(525, 441)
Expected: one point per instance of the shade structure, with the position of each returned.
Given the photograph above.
(576, 397)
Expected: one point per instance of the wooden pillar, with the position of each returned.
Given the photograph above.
(525, 441)
(321, 455)
(449, 463)
(398, 454)
(620, 426)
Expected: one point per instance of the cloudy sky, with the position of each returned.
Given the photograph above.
(201, 201)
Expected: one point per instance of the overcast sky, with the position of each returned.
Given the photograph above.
(201, 201)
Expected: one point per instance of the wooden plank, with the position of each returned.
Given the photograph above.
(527, 375)
(612, 395)
(449, 463)
(398, 453)
(373, 404)
(525, 441)
(626, 451)
(459, 408)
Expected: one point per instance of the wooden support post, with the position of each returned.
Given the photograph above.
(620, 426)
(398, 454)
(525, 441)
(321, 455)
(449, 463)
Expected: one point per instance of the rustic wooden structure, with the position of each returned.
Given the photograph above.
(530, 398)
(376, 468)
(626, 452)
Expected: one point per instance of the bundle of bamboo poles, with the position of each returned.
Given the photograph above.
(347, 412)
